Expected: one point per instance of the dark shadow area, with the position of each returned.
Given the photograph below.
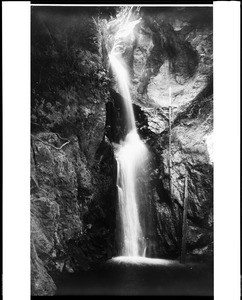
(134, 279)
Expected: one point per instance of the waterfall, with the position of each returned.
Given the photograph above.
(131, 159)
(120, 70)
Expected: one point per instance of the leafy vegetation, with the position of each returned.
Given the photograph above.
(67, 70)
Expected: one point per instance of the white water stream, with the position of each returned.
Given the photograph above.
(131, 159)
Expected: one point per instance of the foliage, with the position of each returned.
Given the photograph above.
(66, 68)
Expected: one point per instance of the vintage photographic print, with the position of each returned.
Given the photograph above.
(122, 150)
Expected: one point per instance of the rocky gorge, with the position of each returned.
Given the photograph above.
(77, 119)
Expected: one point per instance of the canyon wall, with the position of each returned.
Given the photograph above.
(77, 117)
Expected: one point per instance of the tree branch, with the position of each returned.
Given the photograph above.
(57, 148)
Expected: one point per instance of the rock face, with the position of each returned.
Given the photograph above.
(167, 56)
(190, 157)
(71, 221)
(175, 50)
(72, 163)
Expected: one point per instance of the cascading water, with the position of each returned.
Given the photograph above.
(131, 156)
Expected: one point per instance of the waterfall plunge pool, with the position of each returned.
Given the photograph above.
(140, 276)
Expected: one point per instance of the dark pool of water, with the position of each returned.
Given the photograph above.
(150, 277)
